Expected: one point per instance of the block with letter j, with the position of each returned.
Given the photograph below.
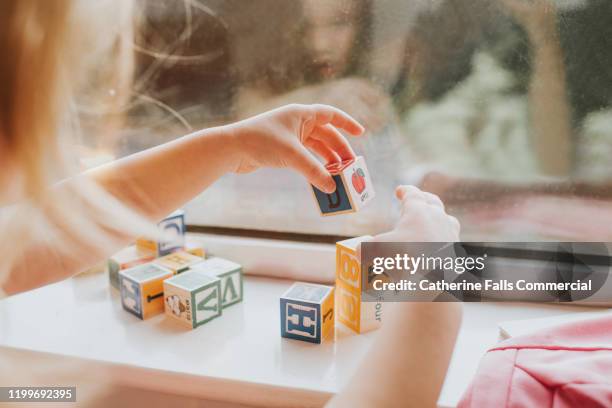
(307, 312)
(353, 188)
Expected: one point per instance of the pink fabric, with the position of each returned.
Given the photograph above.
(565, 366)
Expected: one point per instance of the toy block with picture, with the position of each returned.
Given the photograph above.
(178, 262)
(125, 259)
(358, 315)
(142, 289)
(193, 298)
(353, 188)
(230, 274)
(172, 229)
(307, 312)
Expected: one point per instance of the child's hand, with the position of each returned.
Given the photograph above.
(282, 137)
(422, 219)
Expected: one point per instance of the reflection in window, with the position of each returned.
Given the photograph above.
(495, 105)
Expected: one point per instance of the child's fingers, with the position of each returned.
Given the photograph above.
(325, 114)
(334, 140)
(323, 150)
(305, 163)
(405, 193)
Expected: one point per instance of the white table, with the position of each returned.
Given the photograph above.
(239, 357)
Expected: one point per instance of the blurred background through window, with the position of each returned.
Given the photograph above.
(502, 107)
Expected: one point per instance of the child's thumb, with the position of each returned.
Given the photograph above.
(313, 170)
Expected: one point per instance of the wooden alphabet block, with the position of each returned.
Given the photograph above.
(193, 298)
(194, 248)
(353, 188)
(307, 312)
(354, 313)
(142, 289)
(230, 274)
(178, 262)
(125, 259)
(173, 228)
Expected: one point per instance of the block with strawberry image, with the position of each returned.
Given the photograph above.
(353, 188)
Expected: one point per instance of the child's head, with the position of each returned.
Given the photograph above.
(62, 59)
(49, 48)
(333, 35)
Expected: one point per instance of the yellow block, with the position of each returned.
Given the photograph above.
(153, 297)
(357, 315)
(146, 246)
(327, 316)
(195, 248)
(142, 292)
(178, 262)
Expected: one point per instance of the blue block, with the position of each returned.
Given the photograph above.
(175, 225)
(335, 202)
(300, 320)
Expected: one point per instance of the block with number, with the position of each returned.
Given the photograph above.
(173, 239)
(307, 312)
(353, 188)
(142, 289)
(125, 259)
(193, 298)
(178, 262)
(354, 313)
(230, 274)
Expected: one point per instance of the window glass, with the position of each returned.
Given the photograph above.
(502, 107)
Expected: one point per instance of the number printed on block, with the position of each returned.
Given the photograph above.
(353, 188)
(354, 313)
(142, 289)
(230, 274)
(307, 312)
(193, 298)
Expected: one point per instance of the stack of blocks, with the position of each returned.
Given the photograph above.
(172, 274)
(147, 250)
(307, 310)
(353, 312)
(353, 188)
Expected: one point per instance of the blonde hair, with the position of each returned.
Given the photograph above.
(51, 75)
(64, 59)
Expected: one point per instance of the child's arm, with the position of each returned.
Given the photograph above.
(157, 181)
(407, 363)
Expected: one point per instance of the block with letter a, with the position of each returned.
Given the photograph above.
(193, 298)
(354, 313)
(230, 274)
